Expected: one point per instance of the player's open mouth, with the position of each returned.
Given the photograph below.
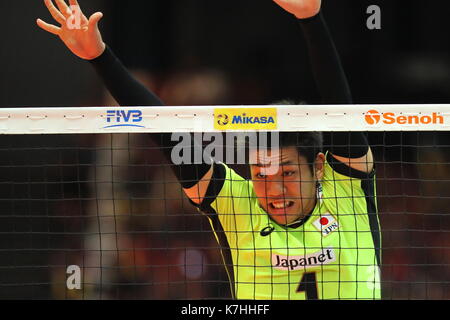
(281, 204)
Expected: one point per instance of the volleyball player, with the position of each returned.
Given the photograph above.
(308, 231)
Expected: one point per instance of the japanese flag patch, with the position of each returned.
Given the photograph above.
(326, 224)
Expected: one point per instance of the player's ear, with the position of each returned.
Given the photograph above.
(319, 166)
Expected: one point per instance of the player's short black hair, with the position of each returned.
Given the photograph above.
(308, 144)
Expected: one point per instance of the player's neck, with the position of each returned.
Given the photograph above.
(303, 216)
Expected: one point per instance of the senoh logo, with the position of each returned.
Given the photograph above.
(374, 117)
(124, 118)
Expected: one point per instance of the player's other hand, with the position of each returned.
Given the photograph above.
(80, 34)
(302, 9)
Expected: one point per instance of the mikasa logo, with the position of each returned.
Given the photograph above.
(245, 119)
(325, 256)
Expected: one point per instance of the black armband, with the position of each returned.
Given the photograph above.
(349, 144)
(190, 173)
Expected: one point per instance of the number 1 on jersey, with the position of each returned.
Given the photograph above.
(309, 286)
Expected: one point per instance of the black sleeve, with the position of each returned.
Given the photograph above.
(331, 83)
(121, 84)
(128, 91)
(325, 62)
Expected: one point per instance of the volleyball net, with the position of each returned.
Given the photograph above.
(91, 208)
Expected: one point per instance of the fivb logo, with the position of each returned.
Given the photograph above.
(374, 117)
(124, 118)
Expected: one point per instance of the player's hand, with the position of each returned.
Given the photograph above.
(79, 34)
(302, 9)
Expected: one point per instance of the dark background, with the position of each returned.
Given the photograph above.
(245, 52)
(254, 43)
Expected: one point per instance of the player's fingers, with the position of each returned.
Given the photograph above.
(94, 19)
(54, 12)
(75, 6)
(48, 27)
(64, 8)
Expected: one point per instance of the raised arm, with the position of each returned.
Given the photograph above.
(350, 148)
(324, 58)
(86, 42)
(83, 39)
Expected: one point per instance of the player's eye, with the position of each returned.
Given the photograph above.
(259, 175)
(288, 173)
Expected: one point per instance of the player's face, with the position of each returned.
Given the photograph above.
(286, 188)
